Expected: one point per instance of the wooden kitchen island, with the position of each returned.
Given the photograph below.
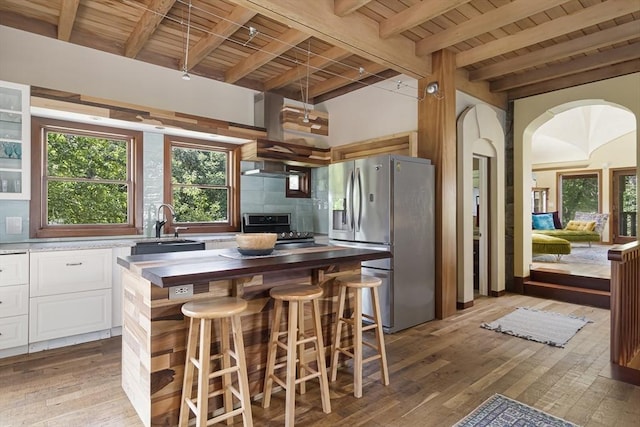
(154, 329)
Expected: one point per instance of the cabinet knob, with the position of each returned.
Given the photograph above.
(72, 264)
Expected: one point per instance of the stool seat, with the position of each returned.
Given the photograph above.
(214, 308)
(360, 281)
(295, 292)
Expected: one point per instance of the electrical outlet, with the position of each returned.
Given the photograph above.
(177, 292)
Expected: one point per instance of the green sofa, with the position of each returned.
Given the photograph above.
(580, 236)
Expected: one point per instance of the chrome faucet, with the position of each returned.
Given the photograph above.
(159, 223)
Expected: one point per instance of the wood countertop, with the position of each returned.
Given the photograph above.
(181, 268)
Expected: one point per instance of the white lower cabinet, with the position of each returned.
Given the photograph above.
(14, 331)
(58, 316)
(70, 293)
(14, 302)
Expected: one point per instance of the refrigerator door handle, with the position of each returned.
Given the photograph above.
(349, 201)
(360, 199)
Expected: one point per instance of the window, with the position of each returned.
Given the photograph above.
(201, 182)
(85, 182)
(578, 192)
(298, 185)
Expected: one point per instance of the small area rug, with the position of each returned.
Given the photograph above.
(546, 327)
(580, 254)
(500, 411)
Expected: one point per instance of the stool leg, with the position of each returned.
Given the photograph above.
(357, 344)
(271, 354)
(225, 349)
(290, 381)
(187, 382)
(301, 348)
(203, 374)
(243, 383)
(375, 301)
(335, 353)
(320, 358)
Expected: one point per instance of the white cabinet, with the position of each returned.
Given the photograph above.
(14, 300)
(70, 293)
(15, 141)
(64, 315)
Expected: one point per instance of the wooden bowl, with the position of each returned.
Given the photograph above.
(256, 241)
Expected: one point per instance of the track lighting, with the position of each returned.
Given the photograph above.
(432, 88)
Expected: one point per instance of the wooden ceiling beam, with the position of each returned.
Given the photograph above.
(355, 32)
(151, 18)
(345, 7)
(484, 23)
(573, 66)
(415, 15)
(316, 63)
(586, 17)
(603, 73)
(345, 79)
(68, 12)
(275, 48)
(218, 34)
(590, 42)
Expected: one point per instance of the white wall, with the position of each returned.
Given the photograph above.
(42, 61)
(372, 111)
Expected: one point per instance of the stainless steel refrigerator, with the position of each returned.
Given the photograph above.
(386, 203)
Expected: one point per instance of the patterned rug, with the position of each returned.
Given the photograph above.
(546, 327)
(581, 253)
(500, 411)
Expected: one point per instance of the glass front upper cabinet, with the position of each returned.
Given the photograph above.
(15, 141)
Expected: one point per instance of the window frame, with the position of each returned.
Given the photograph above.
(39, 227)
(233, 184)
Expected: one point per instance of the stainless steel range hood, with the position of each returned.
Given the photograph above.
(270, 169)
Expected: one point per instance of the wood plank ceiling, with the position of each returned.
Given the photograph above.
(315, 50)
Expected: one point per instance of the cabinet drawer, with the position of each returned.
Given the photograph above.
(14, 300)
(14, 269)
(59, 272)
(60, 316)
(14, 331)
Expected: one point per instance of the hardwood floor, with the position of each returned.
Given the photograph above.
(439, 372)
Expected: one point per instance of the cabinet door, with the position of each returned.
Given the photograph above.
(15, 141)
(14, 269)
(59, 272)
(14, 331)
(59, 316)
(14, 300)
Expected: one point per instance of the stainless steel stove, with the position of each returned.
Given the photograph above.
(279, 223)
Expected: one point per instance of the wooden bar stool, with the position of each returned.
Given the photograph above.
(295, 347)
(201, 314)
(358, 282)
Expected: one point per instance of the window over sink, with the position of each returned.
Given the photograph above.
(201, 181)
(84, 180)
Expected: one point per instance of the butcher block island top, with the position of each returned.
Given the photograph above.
(154, 329)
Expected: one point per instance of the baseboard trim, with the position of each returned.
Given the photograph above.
(497, 293)
(463, 305)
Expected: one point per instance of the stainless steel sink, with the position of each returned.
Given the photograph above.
(164, 246)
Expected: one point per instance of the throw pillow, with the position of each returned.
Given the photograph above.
(556, 218)
(574, 225)
(543, 222)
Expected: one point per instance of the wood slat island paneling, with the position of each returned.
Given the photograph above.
(154, 329)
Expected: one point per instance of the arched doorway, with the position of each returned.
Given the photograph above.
(524, 165)
(480, 134)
